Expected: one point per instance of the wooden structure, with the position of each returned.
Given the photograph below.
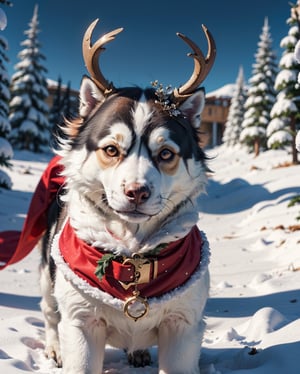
(213, 120)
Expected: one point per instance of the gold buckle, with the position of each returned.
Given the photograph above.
(136, 306)
(142, 270)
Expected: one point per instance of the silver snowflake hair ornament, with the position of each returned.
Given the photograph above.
(164, 95)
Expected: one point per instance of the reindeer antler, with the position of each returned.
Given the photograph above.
(91, 54)
(202, 65)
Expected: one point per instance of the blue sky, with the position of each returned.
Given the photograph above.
(148, 48)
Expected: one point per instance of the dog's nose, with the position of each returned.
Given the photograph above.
(137, 193)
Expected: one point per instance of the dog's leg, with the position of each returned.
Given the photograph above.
(47, 280)
(51, 315)
(179, 346)
(82, 332)
(82, 346)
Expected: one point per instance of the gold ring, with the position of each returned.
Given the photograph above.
(133, 300)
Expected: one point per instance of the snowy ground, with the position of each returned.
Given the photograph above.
(253, 315)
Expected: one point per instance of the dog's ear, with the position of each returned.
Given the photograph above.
(193, 106)
(90, 97)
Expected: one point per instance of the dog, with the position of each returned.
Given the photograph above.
(123, 260)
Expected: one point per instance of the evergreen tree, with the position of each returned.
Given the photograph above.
(6, 151)
(28, 109)
(297, 57)
(261, 94)
(65, 106)
(236, 112)
(55, 115)
(285, 113)
(70, 103)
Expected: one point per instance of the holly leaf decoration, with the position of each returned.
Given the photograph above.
(102, 265)
(155, 251)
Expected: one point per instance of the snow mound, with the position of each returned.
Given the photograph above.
(263, 322)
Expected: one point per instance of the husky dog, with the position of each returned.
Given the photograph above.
(128, 266)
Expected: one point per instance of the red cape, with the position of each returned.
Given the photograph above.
(15, 245)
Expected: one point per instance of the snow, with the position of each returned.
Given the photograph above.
(250, 112)
(54, 83)
(297, 51)
(297, 57)
(29, 126)
(6, 152)
(21, 100)
(280, 137)
(283, 105)
(294, 30)
(5, 148)
(33, 114)
(288, 41)
(288, 60)
(3, 20)
(263, 86)
(3, 88)
(253, 314)
(4, 179)
(226, 91)
(15, 116)
(275, 124)
(248, 121)
(252, 131)
(4, 124)
(285, 76)
(25, 64)
(28, 78)
(256, 78)
(263, 120)
(298, 141)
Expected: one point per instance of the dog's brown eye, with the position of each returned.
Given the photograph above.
(166, 155)
(111, 151)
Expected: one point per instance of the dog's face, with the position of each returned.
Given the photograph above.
(133, 159)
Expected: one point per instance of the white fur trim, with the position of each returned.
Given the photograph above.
(154, 302)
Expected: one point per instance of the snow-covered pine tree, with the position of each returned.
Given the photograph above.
(6, 151)
(65, 107)
(56, 110)
(28, 109)
(232, 130)
(261, 94)
(297, 57)
(285, 113)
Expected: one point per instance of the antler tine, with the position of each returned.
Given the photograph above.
(91, 54)
(202, 65)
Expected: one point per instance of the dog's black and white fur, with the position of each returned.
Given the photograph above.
(133, 174)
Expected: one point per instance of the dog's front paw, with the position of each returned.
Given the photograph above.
(53, 352)
(139, 358)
